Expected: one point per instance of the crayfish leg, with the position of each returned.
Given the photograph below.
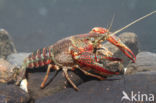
(50, 66)
(68, 79)
(92, 75)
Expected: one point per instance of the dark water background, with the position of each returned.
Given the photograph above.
(37, 23)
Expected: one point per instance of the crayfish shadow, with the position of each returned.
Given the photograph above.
(36, 70)
(114, 78)
(76, 71)
(87, 78)
(84, 77)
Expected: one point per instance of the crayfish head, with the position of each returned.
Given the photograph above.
(99, 30)
(100, 34)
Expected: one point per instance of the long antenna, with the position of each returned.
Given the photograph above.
(110, 25)
(117, 31)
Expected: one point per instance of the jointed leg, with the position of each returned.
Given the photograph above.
(47, 74)
(104, 51)
(68, 79)
(93, 75)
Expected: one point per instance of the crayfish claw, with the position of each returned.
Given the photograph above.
(118, 43)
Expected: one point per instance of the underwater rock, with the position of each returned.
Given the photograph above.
(130, 40)
(6, 70)
(107, 91)
(17, 58)
(6, 45)
(12, 94)
(145, 61)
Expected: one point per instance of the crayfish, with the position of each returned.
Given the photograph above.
(79, 52)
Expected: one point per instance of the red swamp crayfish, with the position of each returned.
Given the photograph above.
(72, 52)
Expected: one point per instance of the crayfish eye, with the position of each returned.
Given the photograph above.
(92, 39)
(99, 30)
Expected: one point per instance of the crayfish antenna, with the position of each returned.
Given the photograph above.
(137, 20)
(111, 23)
(109, 27)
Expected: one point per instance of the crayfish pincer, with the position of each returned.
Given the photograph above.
(79, 52)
